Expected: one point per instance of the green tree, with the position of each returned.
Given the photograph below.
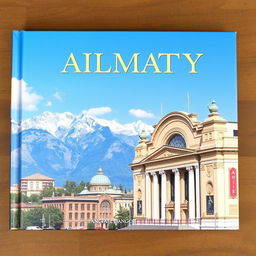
(90, 226)
(15, 198)
(111, 226)
(35, 199)
(32, 217)
(15, 219)
(60, 191)
(70, 187)
(53, 217)
(47, 192)
(123, 217)
(79, 188)
(24, 198)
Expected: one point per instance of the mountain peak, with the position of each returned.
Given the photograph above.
(60, 124)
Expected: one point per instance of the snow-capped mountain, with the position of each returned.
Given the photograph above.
(67, 146)
(59, 124)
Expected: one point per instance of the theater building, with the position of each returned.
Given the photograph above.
(187, 173)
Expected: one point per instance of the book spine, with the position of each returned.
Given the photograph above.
(16, 117)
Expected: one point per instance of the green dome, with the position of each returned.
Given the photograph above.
(100, 179)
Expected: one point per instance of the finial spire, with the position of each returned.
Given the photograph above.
(100, 171)
(143, 135)
(213, 108)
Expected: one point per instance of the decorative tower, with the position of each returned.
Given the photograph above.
(142, 148)
(214, 127)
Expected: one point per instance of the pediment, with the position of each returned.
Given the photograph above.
(167, 152)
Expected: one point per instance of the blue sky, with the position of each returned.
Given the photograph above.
(45, 55)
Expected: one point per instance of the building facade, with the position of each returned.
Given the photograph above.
(78, 211)
(96, 203)
(187, 173)
(35, 184)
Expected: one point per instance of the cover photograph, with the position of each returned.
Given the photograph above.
(124, 131)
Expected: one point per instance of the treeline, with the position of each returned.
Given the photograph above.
(42, 217)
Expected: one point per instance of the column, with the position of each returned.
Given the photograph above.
(191, 188)
(148, 196)
(177, 194)
(155, 197)
(163, 194)
(198, 200)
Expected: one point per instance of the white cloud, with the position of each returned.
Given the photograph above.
(20, 91)
(97, 111)
(48, 104)
(141, 113)
(57, 96)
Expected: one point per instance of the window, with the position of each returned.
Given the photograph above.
(70, 207)
(172, 187)
(186, 185)
(88, 207)
(209, 205)
(70, 216)
(88, 216)
(177, 141)
(76, 207)
(70, 224)
(93, 207)
(105, 206)
(82, 207)
(82, 216)
(76, 216)
(235, 132)
(93, 216)
(81, 224)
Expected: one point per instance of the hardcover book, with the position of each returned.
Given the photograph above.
(124, 131)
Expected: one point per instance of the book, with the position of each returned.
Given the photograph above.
(124, 131)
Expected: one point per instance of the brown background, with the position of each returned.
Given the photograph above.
(219, 15)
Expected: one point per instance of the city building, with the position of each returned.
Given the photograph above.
(124, 202)
(96, 203)
(78, 211)
(35, 183)
(187, 173)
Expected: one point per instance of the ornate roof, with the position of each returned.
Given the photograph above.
(100, 179)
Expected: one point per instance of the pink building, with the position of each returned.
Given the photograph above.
(78, 211)
(95, 203)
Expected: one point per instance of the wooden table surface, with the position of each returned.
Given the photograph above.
(200, 15)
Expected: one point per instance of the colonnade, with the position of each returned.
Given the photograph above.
(156, 198)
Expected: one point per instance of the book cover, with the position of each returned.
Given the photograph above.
(124, 131)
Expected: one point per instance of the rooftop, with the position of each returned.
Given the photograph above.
(38, 176)
(100, 179)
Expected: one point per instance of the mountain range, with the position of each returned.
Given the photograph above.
(65, 146)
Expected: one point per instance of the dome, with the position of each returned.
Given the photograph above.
(100, 179)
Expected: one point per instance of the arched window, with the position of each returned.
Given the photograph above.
(177, 141)
(105, 206)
